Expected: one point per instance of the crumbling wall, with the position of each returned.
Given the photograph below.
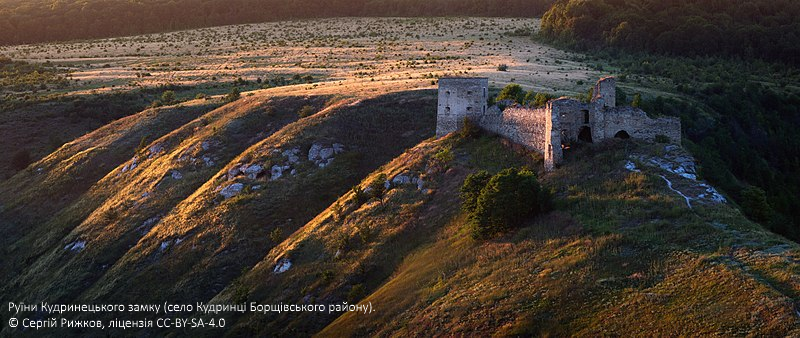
(519, 124)
(605, 92)
(637, 124)
(544, 129)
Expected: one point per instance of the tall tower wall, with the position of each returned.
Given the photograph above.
(460, 98)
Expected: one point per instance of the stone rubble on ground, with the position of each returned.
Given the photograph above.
(132, 165)
(76, 246)
(283, 265)
(231, 190)
(677, 162)
(176, 175)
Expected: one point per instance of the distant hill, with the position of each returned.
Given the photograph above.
(766, 29)
(52, 20)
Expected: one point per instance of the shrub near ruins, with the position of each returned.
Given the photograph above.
(501, 202)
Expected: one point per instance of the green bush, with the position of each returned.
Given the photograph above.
(502, 67)
(503, 202)
(233, 95)
(512, 92)
(168, 97)
(306, 111)
(754, 203)
(469, 130)
(377, 188)
(471, 190)
(538, 99)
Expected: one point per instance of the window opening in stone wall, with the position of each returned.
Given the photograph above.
(585, 116)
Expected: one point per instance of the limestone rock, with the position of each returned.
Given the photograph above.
(313, 153)
(176, 175)
(231, 190)
(253, 171)
(276, 172)
(76, 246)
(132, 165)
(401, 179)
(283, 265)
(326, 153)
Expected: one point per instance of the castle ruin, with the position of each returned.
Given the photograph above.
(551, 128)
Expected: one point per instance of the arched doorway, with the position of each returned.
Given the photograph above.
(622, 134)
(585, 135)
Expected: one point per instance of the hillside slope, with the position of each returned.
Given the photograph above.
(622, 254)
(121, 207)
(253, 203)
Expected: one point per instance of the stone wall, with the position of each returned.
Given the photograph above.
(544, 129)
(519, 124)
(460, 98)
(637, 124)
(605, 92)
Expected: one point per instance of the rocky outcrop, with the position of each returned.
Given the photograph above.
(323, 156)
(231, 190)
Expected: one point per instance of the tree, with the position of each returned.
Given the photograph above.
(504, 202)
(168, 97)
(512, 92)
(471, 189)
(377, 188)
(637, 100)
(233, 95)
(755, 205)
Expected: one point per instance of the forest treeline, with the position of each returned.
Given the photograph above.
(58, 20)
(764, 29)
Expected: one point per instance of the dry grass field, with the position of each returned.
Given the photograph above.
(351, 55)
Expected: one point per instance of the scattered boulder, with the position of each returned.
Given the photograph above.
(253, 171)
(76, 246)
(292, 155)
(234, 171)
(283, 265)
(326, 153)
(276, 172)
(208, 161)
(132, 165)
(231, 190)
(176, 175)
(155, 149)
(401, 179)
(313, 153)
(323, 156)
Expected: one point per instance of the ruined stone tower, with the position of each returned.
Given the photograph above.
(460, 98)
(605, 91)
(550, 129)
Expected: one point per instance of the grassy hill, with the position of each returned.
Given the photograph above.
(267, 200)
(622, 254)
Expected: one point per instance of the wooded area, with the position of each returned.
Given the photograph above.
(765, 29)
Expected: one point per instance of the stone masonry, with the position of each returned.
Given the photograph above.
(551, 128)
